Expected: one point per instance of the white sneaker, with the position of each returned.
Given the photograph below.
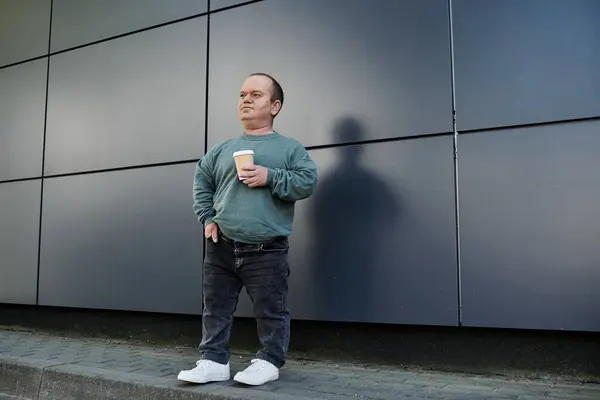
(206, 371)
(258, 373)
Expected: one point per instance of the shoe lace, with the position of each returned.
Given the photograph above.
(201, 365)
(257, 365)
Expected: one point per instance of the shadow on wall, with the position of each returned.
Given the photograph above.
(352, 215)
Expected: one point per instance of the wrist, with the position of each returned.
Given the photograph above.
(271, 172)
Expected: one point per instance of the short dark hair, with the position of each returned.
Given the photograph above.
(276, 89)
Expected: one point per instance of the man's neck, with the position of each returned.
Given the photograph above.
(265, 130)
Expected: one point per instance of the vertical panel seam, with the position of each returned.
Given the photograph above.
(455, 164)
(206, 72)
(206, 99)
(37, 289)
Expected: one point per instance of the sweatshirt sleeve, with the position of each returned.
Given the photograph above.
(204, 190)
(297, 182)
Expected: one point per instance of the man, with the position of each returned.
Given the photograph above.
(248, 218)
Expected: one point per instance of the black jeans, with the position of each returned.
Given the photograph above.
(263, 269)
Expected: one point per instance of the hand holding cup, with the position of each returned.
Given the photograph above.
(251, 175)
(254, 175)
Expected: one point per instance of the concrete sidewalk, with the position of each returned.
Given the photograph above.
(42, 366)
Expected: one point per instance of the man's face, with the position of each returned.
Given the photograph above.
(255, 105)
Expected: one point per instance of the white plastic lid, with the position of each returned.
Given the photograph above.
(243, 153)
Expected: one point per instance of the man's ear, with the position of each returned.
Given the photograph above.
(275, 107)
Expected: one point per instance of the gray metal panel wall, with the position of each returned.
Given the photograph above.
(388, 241)
(122, 240)
(24, 30)
(386, 61)
(77, 22)
(135, 100)
(19, 233)
(22, 108)
(529, 227)
(377, 242)
(217, 4)
(526, 61)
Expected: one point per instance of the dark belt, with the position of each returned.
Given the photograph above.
(274, 240)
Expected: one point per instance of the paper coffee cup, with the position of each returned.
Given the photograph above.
(243, 157)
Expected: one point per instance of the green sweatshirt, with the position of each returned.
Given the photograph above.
(253, 215)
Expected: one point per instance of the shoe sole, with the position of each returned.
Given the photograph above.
(191, 380)
(271, 379)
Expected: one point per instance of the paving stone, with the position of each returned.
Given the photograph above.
(137, 371)
(466, 388)
(422, 382)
